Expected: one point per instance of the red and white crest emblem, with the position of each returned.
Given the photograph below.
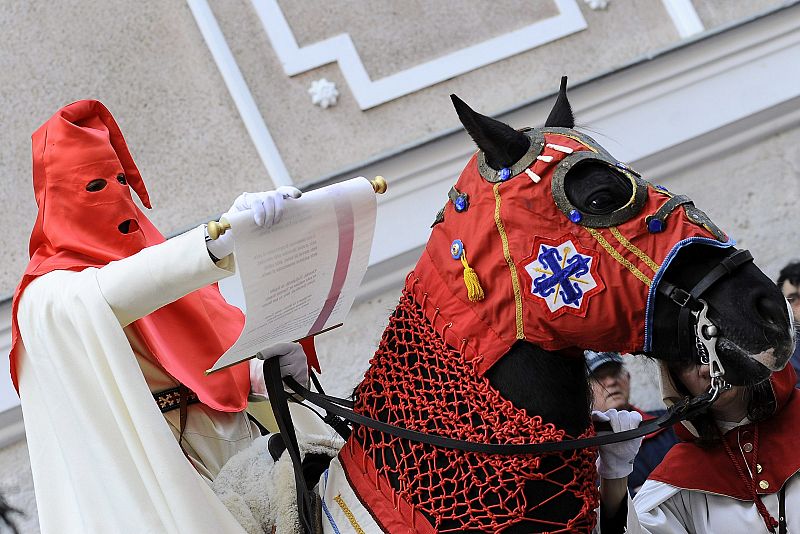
(562, 275)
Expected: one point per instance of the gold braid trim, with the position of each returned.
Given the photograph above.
(634, 249)
(510, 261)
(617, 256)
(348, 514)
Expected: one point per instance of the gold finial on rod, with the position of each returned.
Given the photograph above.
(379, 185)
(216, 229)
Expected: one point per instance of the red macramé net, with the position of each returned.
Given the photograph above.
(418, 382)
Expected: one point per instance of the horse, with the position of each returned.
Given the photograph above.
(546, 246)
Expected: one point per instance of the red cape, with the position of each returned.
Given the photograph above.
(778, 443)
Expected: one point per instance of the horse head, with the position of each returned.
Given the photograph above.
(547, 245)
(627, 241)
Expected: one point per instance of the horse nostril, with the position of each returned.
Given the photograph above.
(770, 311)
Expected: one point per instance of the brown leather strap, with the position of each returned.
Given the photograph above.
(185, 393)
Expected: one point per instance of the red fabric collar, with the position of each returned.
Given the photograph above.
(82, 143)
(778, 443)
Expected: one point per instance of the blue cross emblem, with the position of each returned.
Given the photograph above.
(561, 275)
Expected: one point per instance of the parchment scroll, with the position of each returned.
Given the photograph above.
(300, 276)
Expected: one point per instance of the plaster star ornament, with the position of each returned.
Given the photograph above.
(323, 93)
(597, 4)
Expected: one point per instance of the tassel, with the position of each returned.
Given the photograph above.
(474, 289)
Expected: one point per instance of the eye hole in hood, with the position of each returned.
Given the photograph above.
(96, 185)
(128, 226)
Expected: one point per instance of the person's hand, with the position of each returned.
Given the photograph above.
(267, 206)
(292, 361)
(616, 459)
(267, 209)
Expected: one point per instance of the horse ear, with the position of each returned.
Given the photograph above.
(502, 145)
(561, 114)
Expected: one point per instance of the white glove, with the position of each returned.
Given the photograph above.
(616, 459)
(292, 360)
(267, 208)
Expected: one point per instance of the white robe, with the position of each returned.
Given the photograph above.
(664, 509)
(102, 458)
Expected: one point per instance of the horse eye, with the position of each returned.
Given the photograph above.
(96, 185)
(597, 189)
(601, 201)
(121, 179)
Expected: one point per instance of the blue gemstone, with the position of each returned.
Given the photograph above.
(460, 203)
(655, 226)
(662, 188)
(505, 174)
(456, 249)
(575, 216)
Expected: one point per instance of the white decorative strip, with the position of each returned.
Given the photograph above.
(684, 16)
(369, 93)
(546, 159)
(240, 92)
(533, 176)
(560, 148)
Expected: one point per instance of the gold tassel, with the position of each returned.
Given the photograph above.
(474, 289)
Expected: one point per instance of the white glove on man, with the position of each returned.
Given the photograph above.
(292, 360)
(616, 459)
(267, 208)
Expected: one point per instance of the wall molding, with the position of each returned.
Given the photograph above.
(240, 93)
(691, 102)
(370, 93)
(684, 16)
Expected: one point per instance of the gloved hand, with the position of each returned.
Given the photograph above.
(292, 360)
(267, 208)
(616, 459)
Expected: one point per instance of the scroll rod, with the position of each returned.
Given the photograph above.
(216, 229)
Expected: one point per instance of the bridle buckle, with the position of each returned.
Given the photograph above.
(706, 333)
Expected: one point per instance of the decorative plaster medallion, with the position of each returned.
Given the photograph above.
(597, 4)
(323, 93)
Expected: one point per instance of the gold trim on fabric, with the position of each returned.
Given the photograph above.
(348, 514)
(510, 261)
(634, 249)
(617, 256)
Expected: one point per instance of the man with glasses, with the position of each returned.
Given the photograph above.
(611, 389)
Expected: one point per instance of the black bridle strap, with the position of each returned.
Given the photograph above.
(336, 408)
(306, 499)
(688, 300)
(678, 412)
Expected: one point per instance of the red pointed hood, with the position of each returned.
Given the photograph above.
(83, 174)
